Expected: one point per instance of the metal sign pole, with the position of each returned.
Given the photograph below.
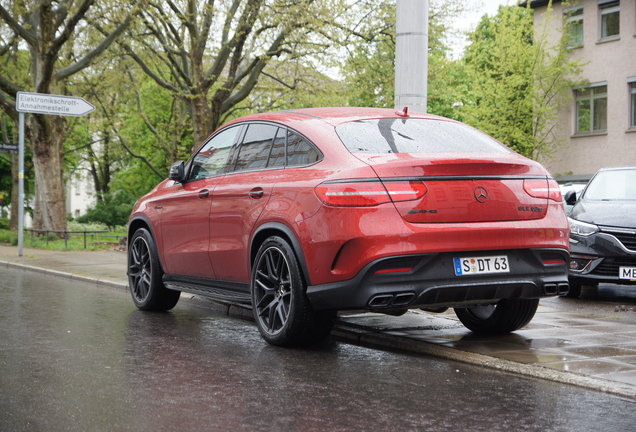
(21, 185)
(41, 103)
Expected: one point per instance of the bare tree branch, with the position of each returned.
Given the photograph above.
(88, 58)
(8, 87)
(253, 77)
(208, 14)
(228, 21)
(174, 65)
(156, 78)
(70, 26)
(248, 17)
(25, 34)
(280, 81)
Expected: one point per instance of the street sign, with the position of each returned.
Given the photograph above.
(8, 148)
(40, 103)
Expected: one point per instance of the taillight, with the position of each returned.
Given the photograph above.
(406, 191)
(367, 194)
(555, 191)
(538, 188)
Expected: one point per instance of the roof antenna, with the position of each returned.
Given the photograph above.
(404, 112)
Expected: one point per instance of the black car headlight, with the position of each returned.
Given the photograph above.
(582, 228)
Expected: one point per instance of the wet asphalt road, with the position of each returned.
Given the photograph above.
(79, 357)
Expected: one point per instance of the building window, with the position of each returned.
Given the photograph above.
(574, 25)
(591, 109)
(632, 104)
(610, 20)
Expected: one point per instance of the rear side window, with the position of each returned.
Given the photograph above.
(212, 159)
(300, 151)
(400, 135)
(254, 150)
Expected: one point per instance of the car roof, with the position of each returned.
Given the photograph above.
(334, 116)
(618, 168)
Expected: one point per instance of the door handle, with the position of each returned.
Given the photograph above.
(256, 193)
(204, 193)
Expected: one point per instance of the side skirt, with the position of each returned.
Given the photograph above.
(218, 290)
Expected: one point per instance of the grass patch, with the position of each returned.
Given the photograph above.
(75, 241)
(8, 237)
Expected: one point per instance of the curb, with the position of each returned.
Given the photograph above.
(363, 336)
(73, 276)
(360, 336)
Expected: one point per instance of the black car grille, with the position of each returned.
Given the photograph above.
(628, 240)
(609, 266)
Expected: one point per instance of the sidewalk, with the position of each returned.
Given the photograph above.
(569, 341)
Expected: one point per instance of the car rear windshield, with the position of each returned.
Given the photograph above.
(612, 186)
(399, 135)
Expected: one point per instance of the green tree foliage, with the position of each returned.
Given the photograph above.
(517, 80)
(13, 63)
(113, 210)
(211, 55)
(59, 42)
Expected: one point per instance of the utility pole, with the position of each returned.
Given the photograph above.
(411, 54)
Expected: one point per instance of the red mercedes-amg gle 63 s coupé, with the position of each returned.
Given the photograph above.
(306, 212)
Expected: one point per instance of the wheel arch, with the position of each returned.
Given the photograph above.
(269, 229)
(137, 222)
(141, 221)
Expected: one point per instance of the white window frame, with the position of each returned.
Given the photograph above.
(573, 15)
(605, 9)
(631, 86)
(592, 97)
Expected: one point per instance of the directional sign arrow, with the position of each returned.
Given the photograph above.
(41, 103)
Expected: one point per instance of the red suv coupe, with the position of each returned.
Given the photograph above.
(306, 212)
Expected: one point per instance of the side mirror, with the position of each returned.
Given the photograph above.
(570, 197)
(177, 172)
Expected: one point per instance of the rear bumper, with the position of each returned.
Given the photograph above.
(430, 280)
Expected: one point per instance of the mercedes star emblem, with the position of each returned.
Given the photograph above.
(481, 194)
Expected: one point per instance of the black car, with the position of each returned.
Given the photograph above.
(603, 230)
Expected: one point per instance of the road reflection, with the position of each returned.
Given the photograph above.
(81, 358)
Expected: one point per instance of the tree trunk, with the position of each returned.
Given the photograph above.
(47, 139)
(201, 119)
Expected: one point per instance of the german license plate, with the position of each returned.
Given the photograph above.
(481, 265)
(627, 273)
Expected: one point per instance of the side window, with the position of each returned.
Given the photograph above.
(300, 151)
(255, 148)
(211, 160)
(277, 156)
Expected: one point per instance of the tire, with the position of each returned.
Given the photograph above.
(504, 317)
(575, 291)
(282, 311)
(145, 275)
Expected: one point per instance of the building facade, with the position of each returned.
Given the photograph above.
(80, 194)
(597, 128)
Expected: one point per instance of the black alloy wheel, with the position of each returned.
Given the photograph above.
(139, 270)
(273, 290)
(281, 308)
(144, 275)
